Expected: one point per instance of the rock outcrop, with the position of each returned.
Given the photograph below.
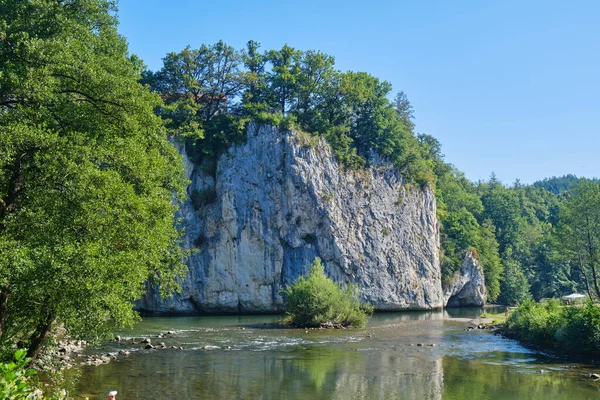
(468, 287)
(278, 201)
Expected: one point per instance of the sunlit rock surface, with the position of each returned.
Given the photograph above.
(279, 201)
(468, 286)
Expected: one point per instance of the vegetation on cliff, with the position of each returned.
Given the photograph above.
(210, 93)
(87, 176)
(316, 300)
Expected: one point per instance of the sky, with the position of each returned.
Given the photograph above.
(510, 87)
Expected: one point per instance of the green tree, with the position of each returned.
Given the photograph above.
(489, 256)
(202, 81)
(255, 97)
(283, 77)
(514, 288)
(199, 88)
(579, 231)
(87, 176)
(316, 72)
(405, 110)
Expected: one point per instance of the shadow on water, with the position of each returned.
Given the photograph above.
(415, 355)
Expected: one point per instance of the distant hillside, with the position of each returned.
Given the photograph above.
(560, 184)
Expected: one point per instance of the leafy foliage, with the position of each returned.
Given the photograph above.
(14, 378)
(288, 88)
(579, 231)
(572, 330)
(561, 184)
(87, 176)
(315, 299)
(17, 380)
(536, 323)
(514, 286)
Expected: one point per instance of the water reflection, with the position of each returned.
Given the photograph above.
(400, 356)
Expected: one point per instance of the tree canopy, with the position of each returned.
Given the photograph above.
(212, 91)
(87, 176)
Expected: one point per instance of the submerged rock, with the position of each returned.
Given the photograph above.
(278, 201)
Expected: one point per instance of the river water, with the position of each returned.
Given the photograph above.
(410, 355)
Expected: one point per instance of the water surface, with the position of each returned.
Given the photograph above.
(411, 355)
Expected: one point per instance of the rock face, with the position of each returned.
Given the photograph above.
(280, 200)
(468, 289)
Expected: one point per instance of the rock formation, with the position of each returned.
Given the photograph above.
(468, 286)
(278, 201)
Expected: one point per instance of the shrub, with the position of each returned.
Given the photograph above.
(18, 382)
(581, 332)
(572, 330)
(316, 299)
(15, 377)
(305, 139)
(536, 323)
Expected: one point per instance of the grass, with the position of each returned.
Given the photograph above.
(497, 318)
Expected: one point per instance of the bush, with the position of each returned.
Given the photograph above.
(18, 382)
(316, 299)
(15, 377)
(571, 330)
(537, 324)
(581, 333)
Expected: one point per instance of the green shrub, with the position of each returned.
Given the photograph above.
(581, 333)
(571, 330)
(273, 119)
(316, 299)
(536, 323)
(305, 139)
(18, 382)
(15, 377)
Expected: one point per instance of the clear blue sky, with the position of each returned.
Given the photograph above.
(506, 86)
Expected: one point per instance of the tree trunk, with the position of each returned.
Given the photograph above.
(4, 293)
(585, 278)
(14, 184)
(39, 337)
(592, 255)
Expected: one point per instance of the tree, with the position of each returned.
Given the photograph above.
(579, 231)
(405, 110)
(202, 81)
(255, 97)
(283, 77)
(316, 73)
(87, 176)
(514, 288)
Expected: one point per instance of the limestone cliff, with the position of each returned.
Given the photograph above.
(468, 285)
(278, 201)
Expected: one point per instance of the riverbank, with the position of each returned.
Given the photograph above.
(568, 332)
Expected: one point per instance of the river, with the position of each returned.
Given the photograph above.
(409, 355)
